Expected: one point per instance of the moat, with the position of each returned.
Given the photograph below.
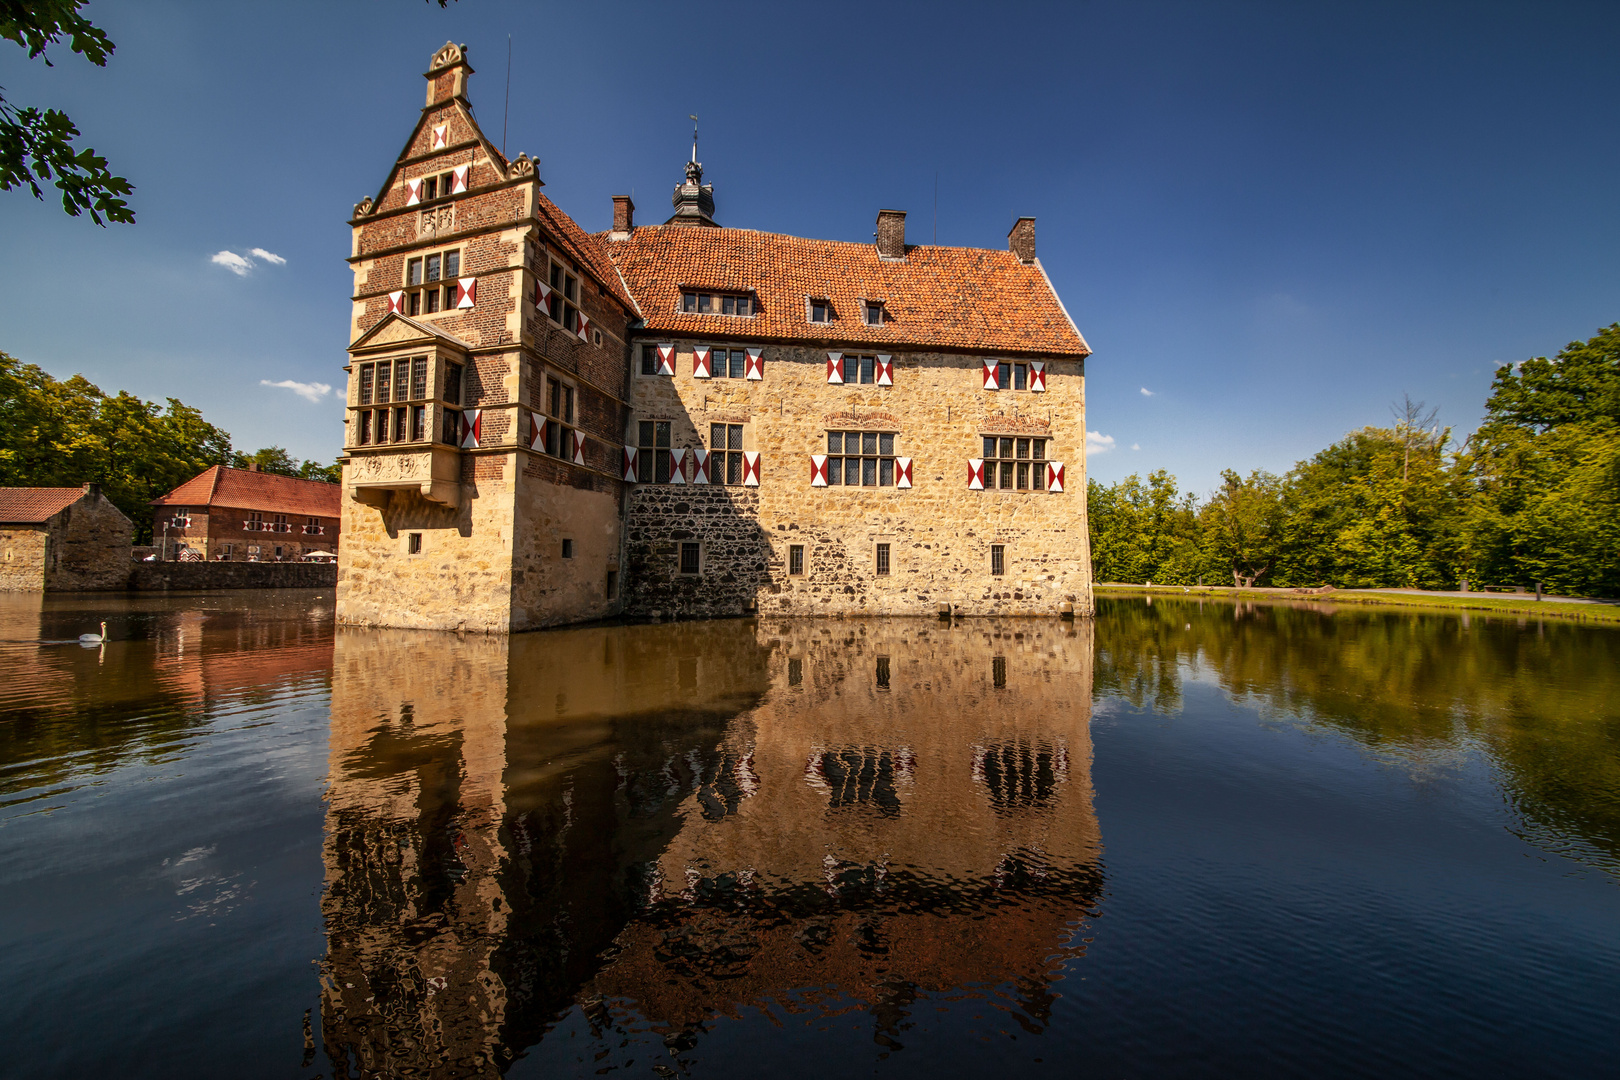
(1180, 839)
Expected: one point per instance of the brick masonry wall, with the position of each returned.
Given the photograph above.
(939, 532)
(160, 577)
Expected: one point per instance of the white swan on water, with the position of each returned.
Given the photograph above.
(91, 639)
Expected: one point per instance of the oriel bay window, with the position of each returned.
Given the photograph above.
(382, 382)
(652, 457)
(860, 458)
(1014, 464)
(450, 392)
(423, 278)
(725, 453)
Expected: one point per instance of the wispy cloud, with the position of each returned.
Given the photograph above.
(309, 391)
(233, 262)
(242, 265)
(1146, 392)
(1098, 443)
(1136, 446)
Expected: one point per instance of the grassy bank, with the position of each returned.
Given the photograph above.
(1483, 602)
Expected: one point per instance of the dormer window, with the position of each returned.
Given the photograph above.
(820, 311)
(702, 303)
(874, 313)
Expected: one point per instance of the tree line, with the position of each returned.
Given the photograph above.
(63, 433)
(1532, 497)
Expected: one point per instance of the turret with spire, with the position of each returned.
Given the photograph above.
(693, 200)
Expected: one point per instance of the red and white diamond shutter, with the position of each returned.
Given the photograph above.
(1037, 376)
(885, 370)
(700, 463)
(630, 454)
(818, 470)
(542, 296)
(458, 179)
(902, 472)
(537, 431)
(990, 381)
(750, 468)
(700, 362)
(441, 137)
(579, 447)
(396, 303)
(754, 367)
(975, 474)
(466, 292)
(1054, 476)
(472, 428)
(413, 191)
(584, 327)
(677, 466)
(835, 367)
(666, 359)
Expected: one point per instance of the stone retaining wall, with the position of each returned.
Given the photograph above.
(163, 576)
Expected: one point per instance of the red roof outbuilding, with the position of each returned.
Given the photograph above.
(246, 489)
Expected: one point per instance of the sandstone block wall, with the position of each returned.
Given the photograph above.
(22, 558)
(87, 546)
(170, 576)
(939, 531)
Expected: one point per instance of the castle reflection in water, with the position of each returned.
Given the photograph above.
(669, 824)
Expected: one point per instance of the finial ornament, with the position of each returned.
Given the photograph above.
(363, 207)
(447, 56)
(522, 165)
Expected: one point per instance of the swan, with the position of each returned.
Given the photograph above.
(91, 639)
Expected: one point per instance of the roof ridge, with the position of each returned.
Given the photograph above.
(684, 229)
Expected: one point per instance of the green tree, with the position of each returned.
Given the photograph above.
(1544, 473)
(1143, 533)
(1240, 528)
(36, 145)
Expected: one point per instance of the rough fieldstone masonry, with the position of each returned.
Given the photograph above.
(686, 419)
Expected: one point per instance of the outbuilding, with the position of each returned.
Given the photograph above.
(62, 538)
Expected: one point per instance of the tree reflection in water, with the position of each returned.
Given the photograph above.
(1540, 699)
(666, 824)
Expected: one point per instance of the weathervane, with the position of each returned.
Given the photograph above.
(694, 135)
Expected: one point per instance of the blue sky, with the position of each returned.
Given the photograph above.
(1270, 220)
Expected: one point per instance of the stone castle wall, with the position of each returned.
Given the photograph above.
(22, 558)
(174, 576)
(939, 531)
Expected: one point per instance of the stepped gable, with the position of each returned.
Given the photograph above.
(245, 489)
(30, 505)
(934, 297)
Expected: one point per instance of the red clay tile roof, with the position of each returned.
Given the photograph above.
(937, 297)
(29, 505)
(242, 489)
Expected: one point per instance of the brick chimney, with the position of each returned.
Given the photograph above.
(447, 74)
(1021, 241)
(624, 218)
(253, 466)
(891, 234)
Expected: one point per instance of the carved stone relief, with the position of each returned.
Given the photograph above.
(390, 468)
(436, 220)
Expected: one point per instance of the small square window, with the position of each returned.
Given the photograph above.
(705, 303)
(882, 559)
(568, 549)
(874, 313)
(689, 558)
(413, 543)
(998, 560)
(612, 584)
(820, 311)
(796, 559)
(689, 302)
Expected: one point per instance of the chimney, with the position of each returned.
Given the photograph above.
(447, 74)
(624, 218)
(891, 234)
(92, 489)
(253, 466)
(1021, 241)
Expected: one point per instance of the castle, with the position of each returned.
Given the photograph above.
(546, 426)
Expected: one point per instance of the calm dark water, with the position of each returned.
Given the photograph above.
(1184, 840)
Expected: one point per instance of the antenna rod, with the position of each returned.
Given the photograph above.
(508, 110)
(936, 208)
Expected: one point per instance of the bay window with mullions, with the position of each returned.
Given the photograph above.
(860, 458)
(1014, 464)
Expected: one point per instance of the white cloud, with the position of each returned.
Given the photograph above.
(309, 391)
(1136, 446)
(1098, 443)
(241, 265)
(233, 262)
(1146, 392)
